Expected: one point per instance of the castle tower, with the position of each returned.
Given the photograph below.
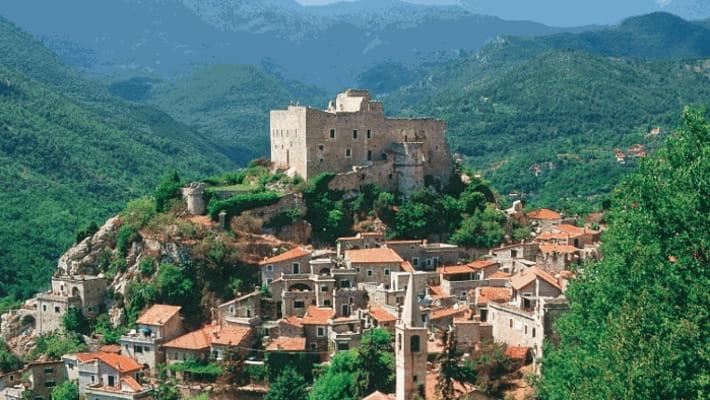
(194, 196)
(411, 347)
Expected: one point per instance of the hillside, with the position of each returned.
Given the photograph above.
(70, 153)
(328, 46)
(230, 105)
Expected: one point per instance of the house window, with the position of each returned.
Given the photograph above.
(342, 346)
(44, 307)
(348, 153)
(526, 329)
(357, 269)
(326, 303)
(93, 378)
(146, 349)
(299, 304)
(369, 134)
(49, 371)
(414, 344)
(320, 331)
(332, 133)
(369, 272)
(50, 384)
(111, 380)
(415, 261)
(369, 155)
(354, 133)
(324, 288)
(268, 281)
(510, 322)
(320, 147)
(296, 268)
(513, 253)
(313, 347)
(345, 310)
(399, 341)
(387, 271)
(269, 268)
(533, 332)
(138, 349)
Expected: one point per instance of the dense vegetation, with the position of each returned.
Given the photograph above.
(639, 319)
(561, 104)
(71, 153)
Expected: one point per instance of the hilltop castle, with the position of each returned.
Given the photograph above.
(354, 139)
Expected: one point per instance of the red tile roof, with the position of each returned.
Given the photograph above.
(446, 312)
(454, 269)
(376, 255)
(544, 213)
(317, 316)
(132, 383)
(495, 294)
(381, 315)
(437, 292)
(292, 254)
(526, 276)
(293, 320)
(284, 343)
(377, 395)
(111, 348)
(499, 275)
(118, 362)
(570, 229)
(203, 338)
(406, 266)
(482, 264)
(557, 248)
(158, 314)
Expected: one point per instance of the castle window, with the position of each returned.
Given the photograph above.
(362, 177)
(384, 156)
(56, 309)
(320, 147)
(354, 133)
(369, 134)
(414, 344)
(369, 155)
(348, 153)
(533, 332)
(321, 160)
(332, 133)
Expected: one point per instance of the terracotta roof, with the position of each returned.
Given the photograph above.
(132, 383)
(454, 269)
(552, 235)
(524, 277)
(481, 264)
(284, 343)
(377, 395)
(118, 362)
(499, 275)
(517, 353)
(544, 213)
(201, 339)
(317, 316)
(410, 241)
(495, 294)
(111, 348)
(437, 292)
(292, 320)
(382, 315)
(158, 314)
(570, 229)
(406, 266)
(376, 255)
(557, 248)
(446, 312)
(292, 254)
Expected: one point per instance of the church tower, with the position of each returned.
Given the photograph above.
(410, 347)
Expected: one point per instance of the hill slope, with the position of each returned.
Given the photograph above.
(69, 153)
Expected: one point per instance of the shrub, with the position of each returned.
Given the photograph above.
(235, 205)
(126, 236)
(169, 188)
(85, 232)
(138, 213)
(146, 266)
(75, 321)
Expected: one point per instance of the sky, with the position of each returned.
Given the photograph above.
(572, 12)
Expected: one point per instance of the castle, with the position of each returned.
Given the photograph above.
(354, 139)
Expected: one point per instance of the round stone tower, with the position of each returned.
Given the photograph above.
(194, 196)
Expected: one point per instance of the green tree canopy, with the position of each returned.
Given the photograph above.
(290, 385)
(68, 390)
(9, 361)
(639, 319)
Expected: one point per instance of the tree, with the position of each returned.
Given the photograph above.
(75, 321)
(166, 389)
(68, 390)
(335, 386)
(376, 370)
(288, 386)
(168, 189)
(55, 345)
(8, 360)
(638, 320)
(482, 229)
(452, 370)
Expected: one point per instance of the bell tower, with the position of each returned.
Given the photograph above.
(410, 347)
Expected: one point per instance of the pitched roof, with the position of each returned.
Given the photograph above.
(382, 315)
(111, 348)
(377, 395)
(570, 229)
(296, 252)
(132, 383)
(317, 315)
(406, 266)
(437, 292)
(118, 362)
(526, 276)
(454, 269)
(495, 294)
(376, 255)
(544, 213)
(557, 248)
(499, 275)
(446, 312)
(481, 264)
(292, 320)
(283, 343)
(158, 314)
(204, 337)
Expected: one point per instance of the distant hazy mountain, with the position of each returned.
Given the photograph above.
(71, 152)
(328, 46)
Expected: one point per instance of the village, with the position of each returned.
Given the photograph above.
(314, 301)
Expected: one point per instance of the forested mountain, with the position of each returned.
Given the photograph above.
(328, 46)
(543, 115)
(70, 152)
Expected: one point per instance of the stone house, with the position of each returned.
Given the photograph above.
(294, 261)
(470, 331)
(344, 333)
(354, 139)
(373, 265)
(43, 376)
(210, 341)
(363, 240)
(425, 256)
(244, 310)
(378, 317)
(544, 218)
(557, 257)
(294, 293)
(100, 370)
(486, 294)
(458, 280)
(315, 327)
(85, 292)
(513, 257)
(287, 344)
(290, 326)
(157, 325)
(129, 389)
(9, 379)
(443, 318)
